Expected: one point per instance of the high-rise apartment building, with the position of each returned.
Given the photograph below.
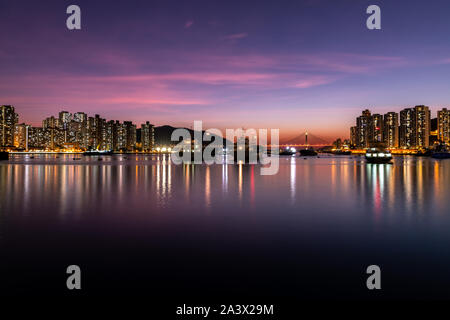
(415, 127)
(147, 137)
(110, 135)
(130, 134)
(8, 120)
(64, 119)
(390, 130)
(407, 129)
(21, 136)
(121, 137)
(443, 127)
(78, 129)
(354, 136)
(99, 132)
(368, 130)
(363, 129)
(80, 117)
(376, 128)
(423, 125)
(38, 138)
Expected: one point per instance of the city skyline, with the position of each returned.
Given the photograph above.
(409, 128)
(74, 131)
(294, 65)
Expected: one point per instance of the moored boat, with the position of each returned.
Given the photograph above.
(342, 153)
(288, 151)
(97, 153)
(378, 155)
(308, 153)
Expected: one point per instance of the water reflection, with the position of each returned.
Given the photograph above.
(207, 188)
(225, 177)
(293, 177)
(409, 190)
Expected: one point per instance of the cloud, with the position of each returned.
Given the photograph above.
(212, 78)
(236, 36)
(138, 86)
(188, 24)
(144, 100)
(444, 61)
(313, 81)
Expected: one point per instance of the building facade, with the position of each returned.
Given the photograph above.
(415, 124)
(8, 121)
(147, 137)
(390, 130)
(443, 126)
(368, 130)
(353, 136)
(363, 129)
(423, 126)
(21, 136)
(407, 130)
(376, 128)
(130, 135)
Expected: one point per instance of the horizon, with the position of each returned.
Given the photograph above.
(309, 65)
(283, 138)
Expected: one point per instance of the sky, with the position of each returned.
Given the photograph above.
(293, 65)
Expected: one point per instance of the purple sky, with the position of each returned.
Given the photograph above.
(292, 65)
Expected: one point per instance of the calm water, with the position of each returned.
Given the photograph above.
(216, 231)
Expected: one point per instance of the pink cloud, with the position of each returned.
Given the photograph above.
(313, 81)
(236, 36)
(148, 101)
(445, 61)
(188, 24)
(130, 88)
(201, 77)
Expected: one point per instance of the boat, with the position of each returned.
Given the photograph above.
(378, 155)
(97, 152)
(308, 153)
(288, 151)
(342, 153)
(4, 155)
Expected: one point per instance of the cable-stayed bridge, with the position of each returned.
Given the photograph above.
(306, 139)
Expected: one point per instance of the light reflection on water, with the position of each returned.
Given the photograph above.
(336, 214)
(329, 186)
